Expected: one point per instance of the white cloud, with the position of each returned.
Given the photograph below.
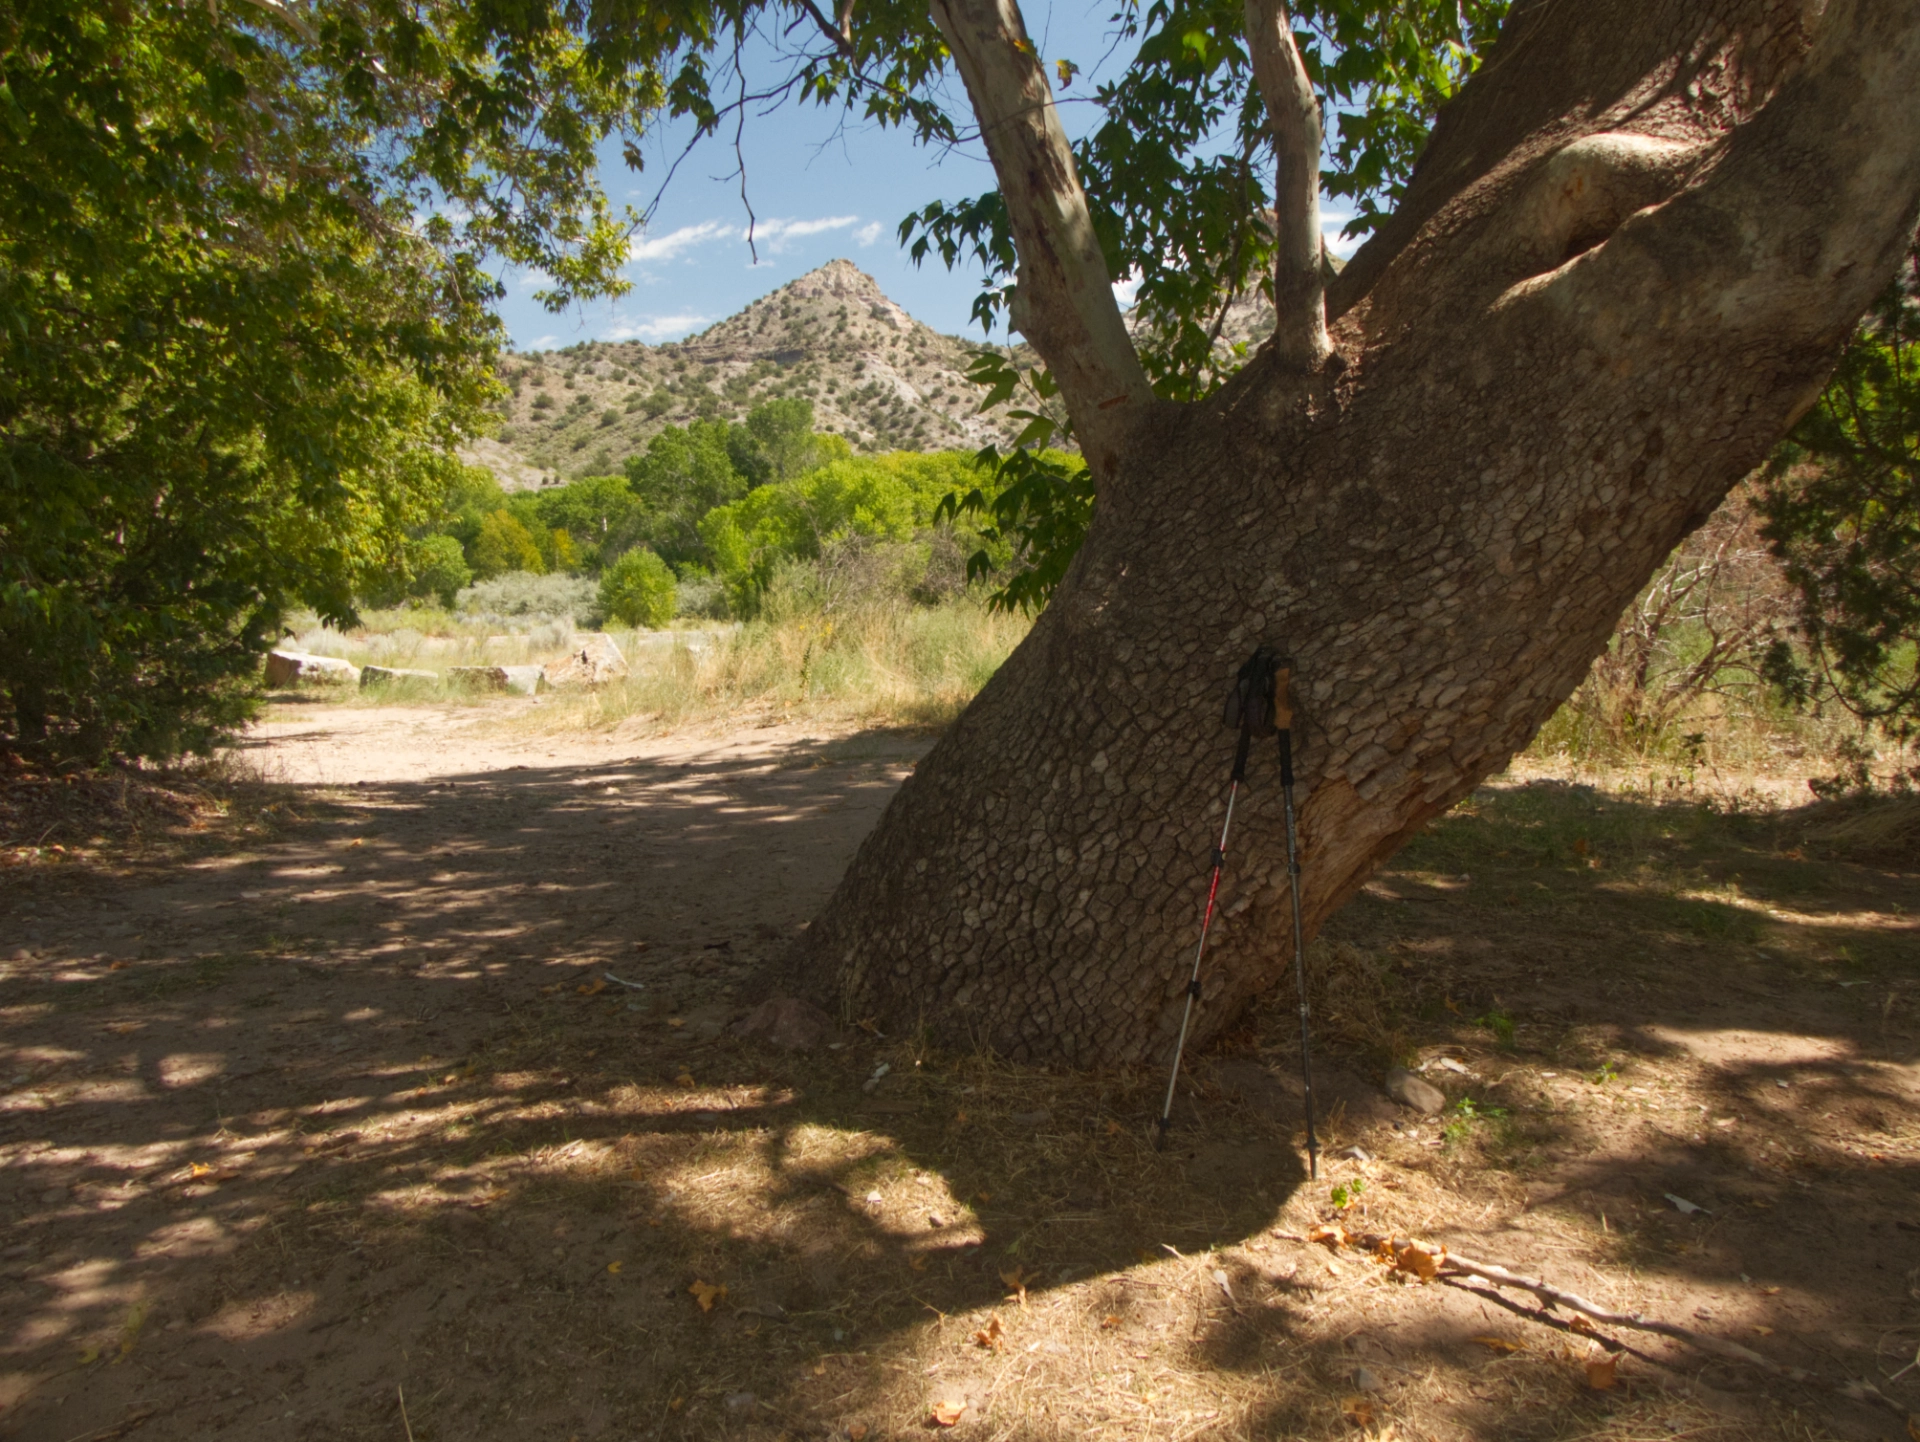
(777, 236)
(1126, 288)
(1330, 223)
(868, 233)
(543, 342)
(667, 246)
(654, 327)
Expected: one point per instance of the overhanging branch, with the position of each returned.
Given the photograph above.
(1064, 300)
(1293, 122)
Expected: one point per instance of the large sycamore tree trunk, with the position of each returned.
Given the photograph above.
(1634, 248)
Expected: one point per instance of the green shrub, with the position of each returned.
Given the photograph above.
(439, 569)
(638, 590)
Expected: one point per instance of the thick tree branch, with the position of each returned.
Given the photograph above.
(1064, 300)
(842, 34)
(1293, 121)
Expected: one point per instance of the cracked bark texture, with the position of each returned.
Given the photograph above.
(1636, 245)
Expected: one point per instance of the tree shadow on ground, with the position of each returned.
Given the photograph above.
(432, 1103)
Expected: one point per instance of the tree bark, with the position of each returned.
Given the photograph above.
(1635, 247)
(1299, 340)
(1063, 296)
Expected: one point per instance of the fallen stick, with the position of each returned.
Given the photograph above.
(1554, 1296)
(1452, 1264)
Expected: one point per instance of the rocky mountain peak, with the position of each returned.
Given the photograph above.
(872, 372)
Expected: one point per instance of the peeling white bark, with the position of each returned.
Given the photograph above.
(1064, 303)
(1293, 121)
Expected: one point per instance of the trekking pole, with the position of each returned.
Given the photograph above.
(1248, 706)
(1283, 718)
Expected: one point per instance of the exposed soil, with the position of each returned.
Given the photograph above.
(404, 1104)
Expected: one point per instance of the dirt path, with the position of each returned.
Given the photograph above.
(346, 1132)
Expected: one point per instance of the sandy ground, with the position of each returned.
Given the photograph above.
(419, 1117)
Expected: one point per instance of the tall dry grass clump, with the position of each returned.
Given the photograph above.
(841, 639)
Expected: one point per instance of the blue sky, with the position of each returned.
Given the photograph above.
(822, 185)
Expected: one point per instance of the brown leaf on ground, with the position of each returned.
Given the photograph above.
(856, 1431)
(1420, 1259)
(947, 1410)
(1357, 1410)
(1017, 1279)
(993, 1336)
(1913, 1428)
(1109, 1323)
(1578, 1323)
(594, 987)
(1500, 1344)
(1600, 1372)
(1330, 1237)
(707, 1294)
(685, 1079)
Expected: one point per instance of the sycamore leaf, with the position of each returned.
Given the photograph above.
(947, 1410)
(201, 1169)
(1332, 1237)
(594, 987)
(685, 1079)
(613, 1268)
(993, 1336)
(1421, 1259)
(1357, 1410)
(1109, 1323)
(1600, 1372)
(1500, 1344)
(856, 1431)
(707, 1294)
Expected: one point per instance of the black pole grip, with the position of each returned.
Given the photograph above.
(1240, 754)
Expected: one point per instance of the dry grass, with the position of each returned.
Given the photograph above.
(883, 664)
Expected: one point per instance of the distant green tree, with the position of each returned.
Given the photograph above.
(683, 474)
(599, 513)
(439, 568)
(638, 590)
(1841, 498)
(892, 497)
(777, 441)
(504, 545)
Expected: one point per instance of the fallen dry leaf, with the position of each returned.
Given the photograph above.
(1109, 1323)
(1500, 1344)
(1017, 1279)
(1357, 1410)
(918, 1261)
(1331, 1237)
(1420, 1259)
(947, 1410)
(1600, 1372)
(1578, 1323)
(1913, 1428)
(613, 1268)
(856, 1431)
(685, 1079)
(201, 1169)
(1764, 1331)
(706, 1294)
(993, 1336)
(594, 987)
(119, 965)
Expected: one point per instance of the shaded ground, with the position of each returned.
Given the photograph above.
(325, 1121)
